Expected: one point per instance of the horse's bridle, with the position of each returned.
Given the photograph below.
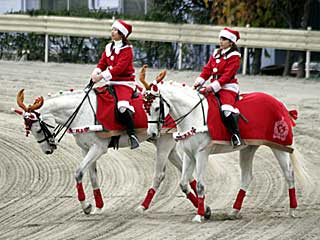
(161, 118)
(49, 137)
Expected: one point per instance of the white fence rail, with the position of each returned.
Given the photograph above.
(303, 40)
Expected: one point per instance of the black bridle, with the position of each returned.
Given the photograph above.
(49, 137)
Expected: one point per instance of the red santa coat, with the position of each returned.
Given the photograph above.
(223, 68)
(119, 62)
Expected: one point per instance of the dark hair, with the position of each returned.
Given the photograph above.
(233, 48)
(124, 39)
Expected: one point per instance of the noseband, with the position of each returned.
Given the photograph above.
(161, 119)
(44, 128)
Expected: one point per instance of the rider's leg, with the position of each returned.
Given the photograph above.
(126, 118)
(231, 118)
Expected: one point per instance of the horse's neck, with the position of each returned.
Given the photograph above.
(62, 107)
(181, 100)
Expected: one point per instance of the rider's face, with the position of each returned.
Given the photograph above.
(115, 36)
(225, 43)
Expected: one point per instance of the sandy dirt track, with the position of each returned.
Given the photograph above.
(38, 197)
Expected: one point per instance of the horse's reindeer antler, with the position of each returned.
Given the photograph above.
(36, 105)
(142, 77)
(20, 99)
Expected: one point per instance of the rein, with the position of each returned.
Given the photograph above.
(67, 124)
(48, 136)
(179, 119)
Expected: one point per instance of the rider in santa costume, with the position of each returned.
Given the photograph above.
(116, 67)
(221, 69)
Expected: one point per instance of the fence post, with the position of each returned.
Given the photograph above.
(46, 48)
(245, 58)
(308, 56)
(180, 56)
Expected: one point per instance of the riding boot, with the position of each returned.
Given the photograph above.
(127, 120)
(232, 125)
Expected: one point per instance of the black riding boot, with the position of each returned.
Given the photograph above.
(127, 120)
(231, 123)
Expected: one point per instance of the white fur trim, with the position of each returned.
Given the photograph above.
(228, 35)
(108, 49)
(120, 27)
(216, 86)
(234, 87)
(199, 80)
(227, 107)
(106, 75)
(125, 104)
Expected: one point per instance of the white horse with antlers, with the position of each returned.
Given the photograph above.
(75, 111)
(190, 111)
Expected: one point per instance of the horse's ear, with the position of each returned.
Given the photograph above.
(38, 102)
(20, 99)
(161, 76)
(142, 77)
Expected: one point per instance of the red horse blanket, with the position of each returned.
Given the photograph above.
(268, 120)
(106, 113)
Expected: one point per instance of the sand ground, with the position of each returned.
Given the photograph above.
(38, 197)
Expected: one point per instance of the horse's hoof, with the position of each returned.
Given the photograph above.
(87, 210)
(97, 211)
(292, 212)
(207, 214)
(197, 219)
(140, 209)
(234, 214)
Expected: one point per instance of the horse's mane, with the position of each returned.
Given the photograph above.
(177, 88)
(63, 93)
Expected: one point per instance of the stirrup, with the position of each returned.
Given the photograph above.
(134, 142)
(235, 140)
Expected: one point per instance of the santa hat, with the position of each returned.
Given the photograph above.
(123, 27)
(230, 34)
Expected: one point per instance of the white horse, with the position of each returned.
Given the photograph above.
(184, 104)
(41, 117)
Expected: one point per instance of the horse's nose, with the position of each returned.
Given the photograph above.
(48, 152)
(154, 135)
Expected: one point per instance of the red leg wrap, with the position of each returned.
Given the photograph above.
(293, 199)
(193, 185)
(148, 199)
(193, 199)
(239, 200)
(201, 206)
(81, 195)
(98, 198)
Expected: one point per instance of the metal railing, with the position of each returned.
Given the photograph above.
(286, 39)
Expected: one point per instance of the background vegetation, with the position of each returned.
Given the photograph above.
(258, 13)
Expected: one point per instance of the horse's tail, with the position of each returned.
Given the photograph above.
(299, 170)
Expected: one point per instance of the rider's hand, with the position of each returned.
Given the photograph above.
(94, 75)
(96, 78)
(198, 82)
(205, 90)
(212, 87)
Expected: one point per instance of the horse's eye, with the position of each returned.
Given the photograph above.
(39, 131)
(157, 109)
